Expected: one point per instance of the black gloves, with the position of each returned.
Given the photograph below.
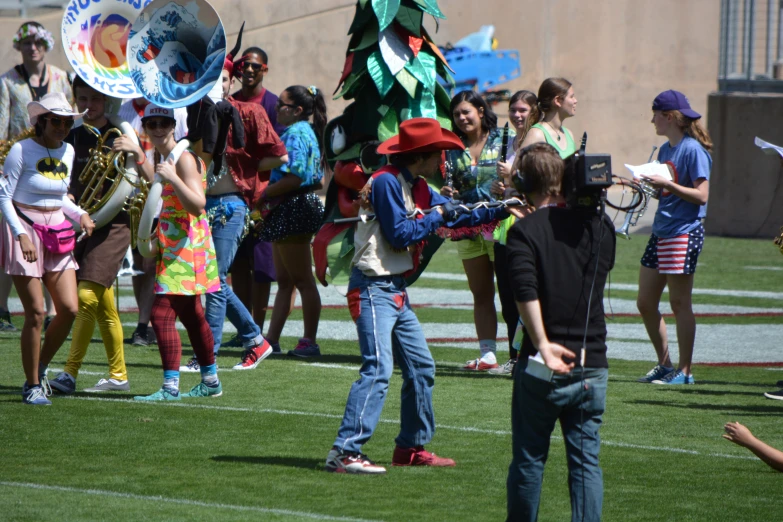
(451, 210)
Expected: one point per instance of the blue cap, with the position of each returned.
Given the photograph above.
(674, 101)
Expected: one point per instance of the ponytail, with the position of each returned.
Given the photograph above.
(313, 104)
(700, 134)
(692, 128)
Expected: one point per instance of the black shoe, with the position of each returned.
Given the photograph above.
(776, 395)
(138, 339)
(5, 322)
(151, 338)
(47, 322)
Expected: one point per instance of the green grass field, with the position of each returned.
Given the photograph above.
(257, 452)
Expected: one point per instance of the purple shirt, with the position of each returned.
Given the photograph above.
(268, 101)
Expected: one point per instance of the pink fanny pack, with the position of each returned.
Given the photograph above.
(57, 239)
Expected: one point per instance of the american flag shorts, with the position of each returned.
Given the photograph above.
(674, 255)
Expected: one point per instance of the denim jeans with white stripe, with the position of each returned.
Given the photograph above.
(385, 322)
(578, 401)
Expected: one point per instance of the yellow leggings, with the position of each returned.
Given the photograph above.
(97, 303)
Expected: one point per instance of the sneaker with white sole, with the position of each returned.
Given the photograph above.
(106, 385)
(656, 374)
(479, 365)
(676, 377)
(202, 390)
(35, 396)
(775, 395)
(350, 462)
(253, 356)
(191, 367)
(504, 369)
(64, 383)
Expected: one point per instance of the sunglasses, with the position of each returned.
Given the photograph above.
(279, 105)
(60, 123)
(159, 124)
(255, 66)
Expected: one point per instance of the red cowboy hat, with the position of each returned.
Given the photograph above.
(420, 135)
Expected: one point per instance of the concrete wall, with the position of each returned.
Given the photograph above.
(746, 185)
(618, 53)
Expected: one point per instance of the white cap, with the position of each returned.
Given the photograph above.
(152, 110)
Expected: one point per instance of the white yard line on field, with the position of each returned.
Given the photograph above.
(770, 268)
(181, 501)
(467, 429)
(715, 343)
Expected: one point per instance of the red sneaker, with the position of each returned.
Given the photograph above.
(253, 356)
(477, 365)
(418, 456)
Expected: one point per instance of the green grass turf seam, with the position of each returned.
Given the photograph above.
(182, 501)
(467, 429)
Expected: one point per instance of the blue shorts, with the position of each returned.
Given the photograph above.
(674, 255)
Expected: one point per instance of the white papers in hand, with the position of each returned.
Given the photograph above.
(650, 169)
(768, 147)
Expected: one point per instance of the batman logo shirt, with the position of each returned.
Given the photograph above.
(52, 168)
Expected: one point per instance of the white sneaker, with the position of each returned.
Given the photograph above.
(348, 462)
(105, 385)
(191, 367)
(504, 369)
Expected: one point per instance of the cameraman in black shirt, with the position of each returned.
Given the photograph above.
(558, 259)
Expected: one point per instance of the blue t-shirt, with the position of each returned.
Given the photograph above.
(675, 216)
(304, 155)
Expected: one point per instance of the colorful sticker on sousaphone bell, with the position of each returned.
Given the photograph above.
(176, 51)
(95, 34)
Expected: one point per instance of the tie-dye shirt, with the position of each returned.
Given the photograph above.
(187, 264)
(473, 180)
(304, 155)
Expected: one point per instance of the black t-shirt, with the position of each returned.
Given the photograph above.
(83, 141)
(552, 257)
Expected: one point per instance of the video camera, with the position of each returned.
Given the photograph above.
(585, 180)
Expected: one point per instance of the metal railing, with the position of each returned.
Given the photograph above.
(23, 6)
(751, 46)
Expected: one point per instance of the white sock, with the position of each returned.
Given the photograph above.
(488, 348)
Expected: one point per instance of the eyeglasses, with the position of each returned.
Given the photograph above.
(255, 66)
(159, 124)
(60, 123)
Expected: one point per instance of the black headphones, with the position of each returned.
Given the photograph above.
(524, 184)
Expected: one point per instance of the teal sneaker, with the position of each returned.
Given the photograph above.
(656, 374)
(160, 395)
(202, 390)
(676, 377)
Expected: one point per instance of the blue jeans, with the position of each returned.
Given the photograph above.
(536, 405)
(385, 322)
(226, 236)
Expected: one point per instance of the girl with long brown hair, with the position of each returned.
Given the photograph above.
(557, 102)
(678, 234)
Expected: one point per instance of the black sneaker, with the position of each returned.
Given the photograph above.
(139, 339)
(235, 342)
(47, 321)
(776, 395)
(151, 338)
(5, 322)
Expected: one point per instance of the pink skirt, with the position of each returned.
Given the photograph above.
(11, 255)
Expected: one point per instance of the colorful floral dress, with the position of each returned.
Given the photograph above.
(187, 264)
